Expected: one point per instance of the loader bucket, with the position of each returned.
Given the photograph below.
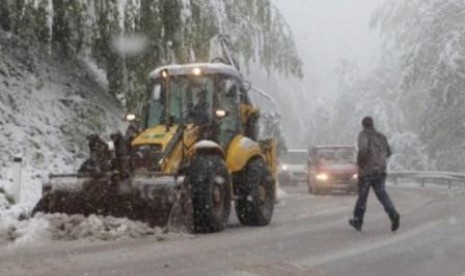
(158, 201)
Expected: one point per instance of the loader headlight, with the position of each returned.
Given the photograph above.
(221, 113)
(164, 74)
(284, 167)
(197, 71)
(111, 145)
(130, 117)
(322, 176)
(355, 176)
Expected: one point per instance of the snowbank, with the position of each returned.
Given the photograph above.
(44, 228)
(4, 203)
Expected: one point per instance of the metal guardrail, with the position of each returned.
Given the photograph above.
(448, 179)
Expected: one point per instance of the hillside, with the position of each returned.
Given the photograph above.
(51, 98)
(48, 104)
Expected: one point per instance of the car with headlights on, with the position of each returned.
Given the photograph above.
(332, 169)
(292, 168)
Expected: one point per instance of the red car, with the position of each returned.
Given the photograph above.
(332, 169)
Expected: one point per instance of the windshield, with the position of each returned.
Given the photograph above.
(335, 156)
(189, 100)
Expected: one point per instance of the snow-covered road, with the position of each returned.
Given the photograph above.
(309, 235)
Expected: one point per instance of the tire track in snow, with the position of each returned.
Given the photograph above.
(276, 268)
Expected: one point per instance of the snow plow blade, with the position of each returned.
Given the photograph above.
(159, 200)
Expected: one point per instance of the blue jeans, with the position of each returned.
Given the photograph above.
(377, 181)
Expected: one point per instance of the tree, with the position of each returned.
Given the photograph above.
(431, 39)
(175, 31)
(60, 26)
(5, 16)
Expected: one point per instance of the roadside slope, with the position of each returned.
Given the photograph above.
(48, 104)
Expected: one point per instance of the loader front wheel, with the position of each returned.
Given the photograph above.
(210, 185)
(255, 190)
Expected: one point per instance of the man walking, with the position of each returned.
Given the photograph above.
(373, 150)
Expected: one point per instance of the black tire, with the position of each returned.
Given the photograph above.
(210, 184)
(255, 191)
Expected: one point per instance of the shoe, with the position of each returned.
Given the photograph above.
(355, 224)
(395, 222)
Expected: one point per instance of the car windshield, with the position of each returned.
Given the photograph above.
(335, 156)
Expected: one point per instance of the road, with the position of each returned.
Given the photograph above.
(309, 235)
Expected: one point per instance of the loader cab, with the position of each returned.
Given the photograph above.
(181, 100)
(203, 95)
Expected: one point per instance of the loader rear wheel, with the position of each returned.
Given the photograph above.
(255, 191)
(210, 184)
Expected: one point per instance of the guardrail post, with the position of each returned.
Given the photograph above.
(17, 168)
(449, 183)
(422, 180)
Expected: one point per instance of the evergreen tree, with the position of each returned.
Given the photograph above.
(5, 17)
(60, 25)
(175, 30)
(41, 29)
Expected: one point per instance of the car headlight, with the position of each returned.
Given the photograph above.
(284, 167)
(355, 176)
(322, 176)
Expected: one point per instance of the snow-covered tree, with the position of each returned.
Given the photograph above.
(409, 153)
(172, 31)
(430, 37)
(377, 93)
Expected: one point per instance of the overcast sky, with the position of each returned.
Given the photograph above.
(328, 30)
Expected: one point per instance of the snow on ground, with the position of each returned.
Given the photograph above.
(4, 203)
(44, 228)
(281, 193)
(48, 105)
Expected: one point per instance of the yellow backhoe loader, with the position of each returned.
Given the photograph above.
(190, 153)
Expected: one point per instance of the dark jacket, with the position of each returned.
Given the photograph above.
(373, 151)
